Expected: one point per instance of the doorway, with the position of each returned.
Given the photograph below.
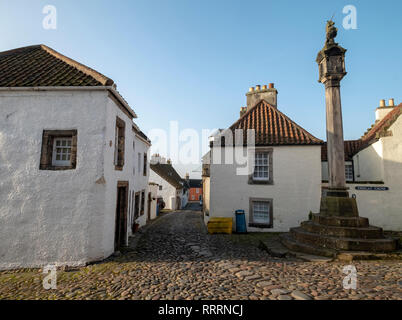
(149, 206)
(120, 235)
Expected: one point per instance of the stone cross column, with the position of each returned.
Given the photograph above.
(331, 62)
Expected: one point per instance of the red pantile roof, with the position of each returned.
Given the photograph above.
(351, 148)
(41, 66)
(272, 127)
(383, 125)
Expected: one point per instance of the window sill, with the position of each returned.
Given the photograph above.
(260, 225)
(57, 168)
(262, 182)
(118, 168)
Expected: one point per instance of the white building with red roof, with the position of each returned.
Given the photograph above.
(284, 181)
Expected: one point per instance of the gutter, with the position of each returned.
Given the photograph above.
(111, 89)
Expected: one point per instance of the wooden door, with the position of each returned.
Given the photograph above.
(120, 237)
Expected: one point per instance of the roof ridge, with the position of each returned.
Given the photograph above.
(79, 66)
(248, 111)
(21, 49)
(279, 114)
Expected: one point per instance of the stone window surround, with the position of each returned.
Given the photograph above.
(270, 180)
(48, 138)
(271, 213)
(119, 156)
(142, 201)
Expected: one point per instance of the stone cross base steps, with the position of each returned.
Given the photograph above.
(331, 235)
(333, 232)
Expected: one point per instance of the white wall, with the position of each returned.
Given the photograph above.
(51, 216)
(153, 189)
(368, 163)
(184, 198)
(137, 181)
(206, 195)
(61, 217)
(382, 161)
(168, 192)
(296, 189)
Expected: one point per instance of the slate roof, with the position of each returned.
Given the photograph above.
(195, 183)
(41, 66)
(138, 131)
(272, 127)
(168, 173)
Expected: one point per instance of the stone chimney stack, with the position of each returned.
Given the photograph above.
(156, 158)
(267, 93)
(383, 109)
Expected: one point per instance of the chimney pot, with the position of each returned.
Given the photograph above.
(258, 88)
(391, 102)
(271, 86)
(264, 87)
(382, 103)
(251, 89)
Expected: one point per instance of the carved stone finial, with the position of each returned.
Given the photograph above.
(332, 32)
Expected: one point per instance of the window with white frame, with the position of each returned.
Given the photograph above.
(61, 155)
(263, 170)
(349, 172)
(197, 190)
(261, 166)
(261, 214)
(59, 150)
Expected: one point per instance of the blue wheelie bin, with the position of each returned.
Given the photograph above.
(240, 221)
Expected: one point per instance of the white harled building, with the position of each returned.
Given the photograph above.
(73, 165)
(284, 183)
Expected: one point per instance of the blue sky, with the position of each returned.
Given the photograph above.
(193, 61)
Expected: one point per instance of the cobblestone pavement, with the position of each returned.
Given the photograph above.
(176, 259)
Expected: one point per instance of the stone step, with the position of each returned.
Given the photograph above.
(357, 222)
(293, 245)
(343, 243)
(369, 232)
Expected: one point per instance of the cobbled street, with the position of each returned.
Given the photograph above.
(175, 258)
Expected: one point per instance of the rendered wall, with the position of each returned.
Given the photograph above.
(51, 216)
(296, 190)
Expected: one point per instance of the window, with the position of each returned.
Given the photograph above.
(262, 167)
(61, 155)
(197, 190)
(142, 202)
(261, 215)
(119, 144)
(349, 172)
(145, 164)
(160, 187)
(59, 150)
